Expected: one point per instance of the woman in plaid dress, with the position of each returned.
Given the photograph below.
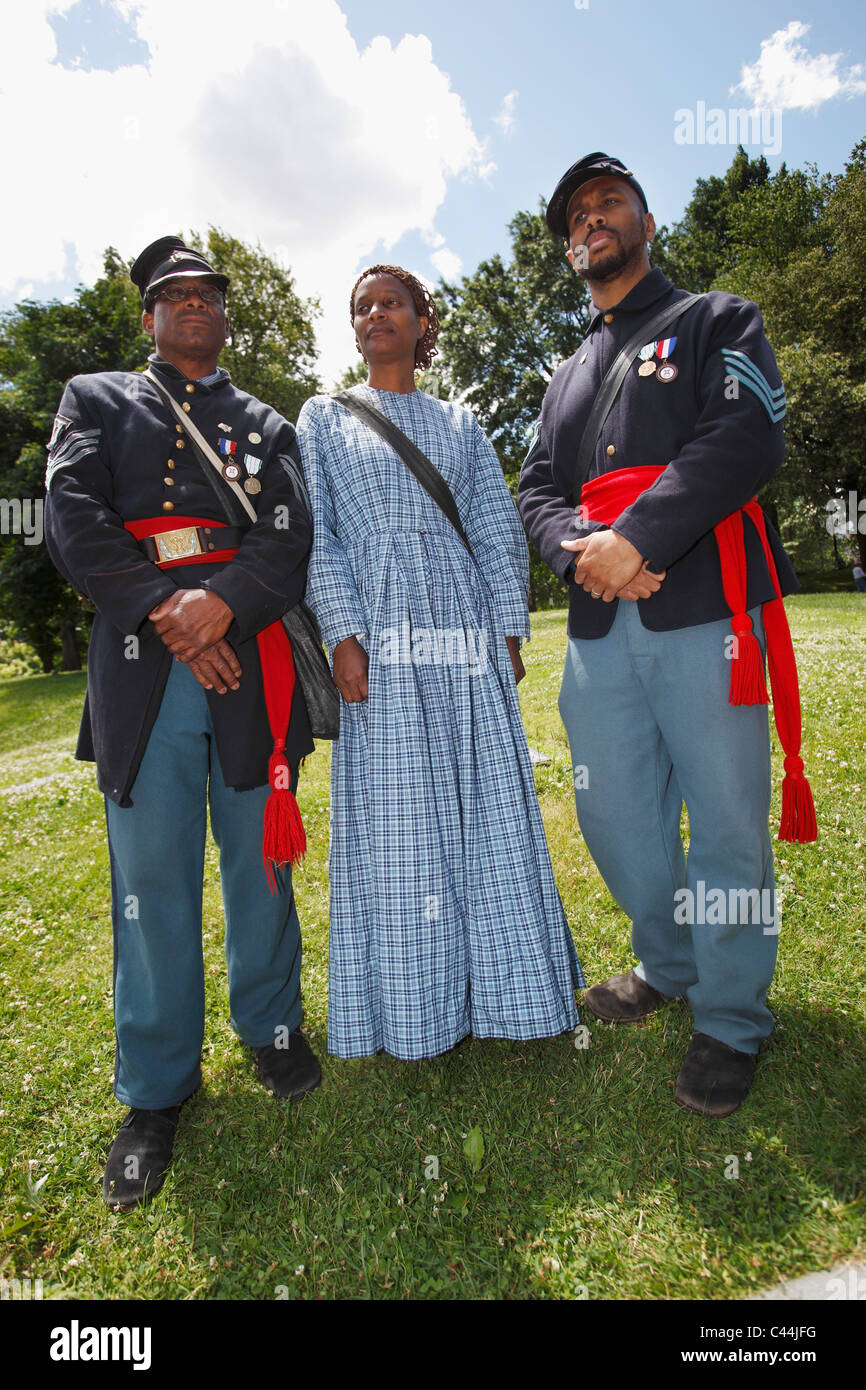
(445, 917)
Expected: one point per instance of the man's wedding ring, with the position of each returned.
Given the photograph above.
(594, 594)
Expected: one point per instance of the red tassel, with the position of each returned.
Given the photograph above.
(798, 823)
(748, 684)
(285, 840)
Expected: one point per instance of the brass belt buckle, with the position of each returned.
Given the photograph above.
(177, 545)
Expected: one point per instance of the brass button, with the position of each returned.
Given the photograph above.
(169, 482)
(168, 506)
(207, 530)
(211, 546)
(179, 429)
(608, 318)
(611, 448)
(186, 406)
(180, 443)
(170, 463)
(189, 388)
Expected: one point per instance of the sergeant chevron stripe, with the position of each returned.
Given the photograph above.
(75, 446)
(738, 365)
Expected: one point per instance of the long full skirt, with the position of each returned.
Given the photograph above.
(445, 917)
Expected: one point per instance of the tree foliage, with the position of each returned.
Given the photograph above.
(41, 347)
(691, 252)
(796, 246)
(505, 330)
(507, 327)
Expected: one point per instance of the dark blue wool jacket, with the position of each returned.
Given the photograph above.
(118, 454)
(716, 429)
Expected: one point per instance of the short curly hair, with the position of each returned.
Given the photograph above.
(425, 348)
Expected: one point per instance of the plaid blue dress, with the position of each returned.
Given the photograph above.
(445, 917)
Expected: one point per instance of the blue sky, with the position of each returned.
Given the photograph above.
(326, 133)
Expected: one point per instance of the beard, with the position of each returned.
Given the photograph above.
(618, 259)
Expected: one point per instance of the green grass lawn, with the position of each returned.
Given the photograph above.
(593, 1183)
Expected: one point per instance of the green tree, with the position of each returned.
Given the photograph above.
(41, 347)
(793, 243)
(356, 375)
(692, 251)
(505, 330)
(796, 247)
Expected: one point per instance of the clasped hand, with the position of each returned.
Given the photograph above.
(192, 623)
(608, 567)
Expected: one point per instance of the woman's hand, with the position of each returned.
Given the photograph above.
(350, 670)
(513, 644)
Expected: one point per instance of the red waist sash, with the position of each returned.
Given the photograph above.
(284, 839)
(603, 499)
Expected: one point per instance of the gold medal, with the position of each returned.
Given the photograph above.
(646, 368)
(252, 485)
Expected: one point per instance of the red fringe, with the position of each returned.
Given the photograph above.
(284, 840)
(799, 824)
(748, 683)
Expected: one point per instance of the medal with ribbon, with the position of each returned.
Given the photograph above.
(667, 371)
(253, 466)
(231, 470)
(646, 355)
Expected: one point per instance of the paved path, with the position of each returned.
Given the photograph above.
(842, 1283)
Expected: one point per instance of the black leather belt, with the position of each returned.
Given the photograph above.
(189, 541)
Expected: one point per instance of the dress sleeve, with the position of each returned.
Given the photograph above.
(331, 589)
(497, 539)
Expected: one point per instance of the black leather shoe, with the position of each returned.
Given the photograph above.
(138, 1163)
(289, 1071)
(624, 999)
(714, 1078)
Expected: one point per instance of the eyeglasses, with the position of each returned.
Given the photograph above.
(176, 294)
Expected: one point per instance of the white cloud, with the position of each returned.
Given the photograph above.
(447, 263)
(506, 116)
(268, 121)
(787, 77)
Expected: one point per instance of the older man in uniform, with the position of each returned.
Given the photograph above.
(669, 562)
(191, 700)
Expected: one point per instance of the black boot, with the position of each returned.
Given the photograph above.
(624, 999)
(140, 1155)
(714, 1078)
(289, 1071)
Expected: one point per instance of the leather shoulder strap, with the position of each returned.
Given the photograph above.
(205, 451)
(419, 465)
(613, 380)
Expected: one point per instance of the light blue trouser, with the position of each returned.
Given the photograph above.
(650, 726)
(157, 865)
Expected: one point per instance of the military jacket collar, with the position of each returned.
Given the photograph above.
(644, 295)
(172, 374)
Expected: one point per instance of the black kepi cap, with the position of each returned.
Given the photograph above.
(592, 166)
(170, 259)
